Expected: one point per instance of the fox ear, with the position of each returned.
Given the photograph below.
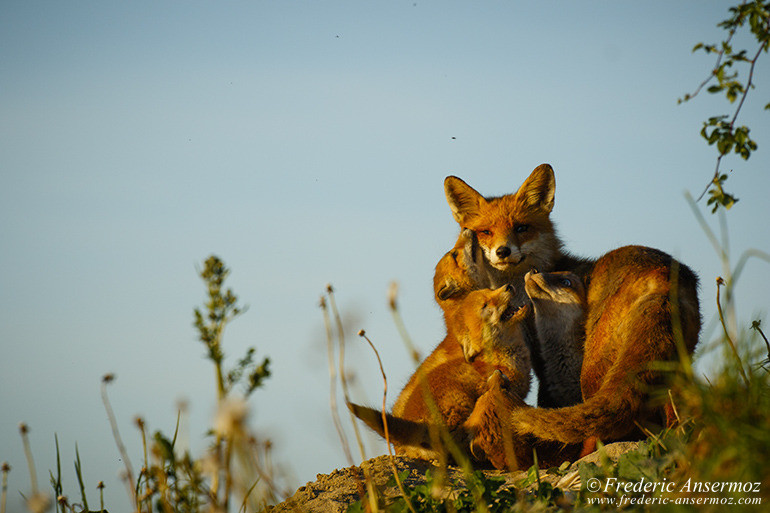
(537, 191)
(462, 198)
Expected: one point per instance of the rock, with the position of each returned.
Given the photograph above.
(333, 493)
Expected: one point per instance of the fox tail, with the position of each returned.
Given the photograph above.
(400, 431)
(603, 417)
(608, 415)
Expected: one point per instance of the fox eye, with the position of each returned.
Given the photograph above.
(522, 228)
(566, 282)
(485, 232)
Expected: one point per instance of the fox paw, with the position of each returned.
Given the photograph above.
(498, 380)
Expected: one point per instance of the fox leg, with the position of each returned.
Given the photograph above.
(491, 439)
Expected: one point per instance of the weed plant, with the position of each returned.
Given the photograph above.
(717, 456)
(235, 473)
(723, 439)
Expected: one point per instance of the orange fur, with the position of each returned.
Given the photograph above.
(629, 318)
(488, 428)
(452, 378)
(628, 327)
(514, 232)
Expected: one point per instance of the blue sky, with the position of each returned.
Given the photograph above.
(306, 143)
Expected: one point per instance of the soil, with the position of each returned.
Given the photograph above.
(333, 493)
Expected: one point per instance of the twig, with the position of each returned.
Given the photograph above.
(392, 458)
(228, 471)
(100, 487)
(5, 469)
(755, 326)
(749, 85)
(333, 383)
(342, 374)
(23, 430)
(443, 435)
(346, 394)
(106, 379)
(737, 20)
(400, 326)
(713, 73)
(721, 282)
(247, 494)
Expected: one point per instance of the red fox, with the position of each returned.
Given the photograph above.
(639, 303)
(488, 428)
(488, 325)
(559, 305)
(458, 272)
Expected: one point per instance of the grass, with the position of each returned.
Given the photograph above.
(723, 439)
(717, 456)
(235, 473)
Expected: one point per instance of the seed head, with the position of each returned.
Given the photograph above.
(392, 294)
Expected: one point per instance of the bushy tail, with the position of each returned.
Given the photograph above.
(400, 431)
(603, 416)
(610, 414)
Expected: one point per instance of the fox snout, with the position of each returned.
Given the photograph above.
(504, 255)
(499, 305)
(503, 252)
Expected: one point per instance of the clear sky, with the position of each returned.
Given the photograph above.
(306, 143)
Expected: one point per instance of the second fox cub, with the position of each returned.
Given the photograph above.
(484, 334)
(639, 302)
(559, 303)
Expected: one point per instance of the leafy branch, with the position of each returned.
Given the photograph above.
(722, 130)
(221, 308)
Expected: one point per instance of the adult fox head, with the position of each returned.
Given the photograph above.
(514, 231)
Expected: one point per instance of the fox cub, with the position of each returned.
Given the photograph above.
(458, 272)
(632, 295)
(559, 304)
(487, 427)
(484, 334)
